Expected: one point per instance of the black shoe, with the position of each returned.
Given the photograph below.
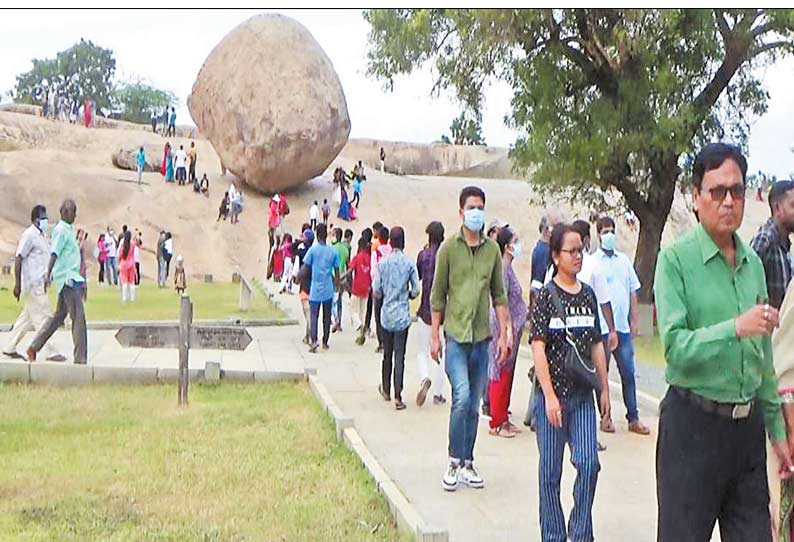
(439, 400)
(325, 346)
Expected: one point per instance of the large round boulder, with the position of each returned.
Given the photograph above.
(269, 100)
(127, 158)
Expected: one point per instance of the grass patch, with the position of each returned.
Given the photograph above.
(649, 350)
(242, 463)
(210, 301)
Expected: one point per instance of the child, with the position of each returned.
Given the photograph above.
(286, 276)
(223, 210)
(326, 211)
(359, 269)
(180, 281)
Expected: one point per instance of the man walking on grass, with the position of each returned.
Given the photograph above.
(64, 269)
(468, 278)
(396, 283)
(30, 275)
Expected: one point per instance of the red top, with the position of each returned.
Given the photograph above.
(362, 281)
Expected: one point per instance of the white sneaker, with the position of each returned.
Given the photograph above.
(450, 480)
(469, 476)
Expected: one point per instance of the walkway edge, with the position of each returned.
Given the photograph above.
(404, 512)
(113, 325)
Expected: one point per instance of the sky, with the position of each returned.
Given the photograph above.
(166, 48)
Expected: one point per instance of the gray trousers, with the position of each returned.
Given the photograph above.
(70, 301)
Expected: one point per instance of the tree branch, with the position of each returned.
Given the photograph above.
(762, 29)
(771, 45)
(722, 24)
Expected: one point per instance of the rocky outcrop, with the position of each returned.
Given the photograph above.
(271, 104)
(125, 158)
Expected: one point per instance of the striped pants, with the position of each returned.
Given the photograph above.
(579, 431)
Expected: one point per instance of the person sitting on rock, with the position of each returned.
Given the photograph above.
(204, 185)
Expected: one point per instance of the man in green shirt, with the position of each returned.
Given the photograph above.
(468, 277)
(715, 323)
(64, 271)
(344, 256)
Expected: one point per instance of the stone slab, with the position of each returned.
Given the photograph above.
(237, 376)
(169, 374)
(408, 519)
(374, 468)
(341, 421)
(15, 371)
(60, 374)
(125, 375)
(321, 392)
(425, 533)
(276, 376)
(212, 371)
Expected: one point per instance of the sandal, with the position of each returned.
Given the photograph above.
(607, 426)
(502, 431)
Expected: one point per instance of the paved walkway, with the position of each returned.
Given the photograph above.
(411, 445)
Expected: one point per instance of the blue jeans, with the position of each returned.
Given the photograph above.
(467, 370)
(579, 431)
(624, 355)
(314, 307)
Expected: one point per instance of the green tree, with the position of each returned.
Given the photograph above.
(467, 131)
(136, 100)
(604, 99)
(84, 71)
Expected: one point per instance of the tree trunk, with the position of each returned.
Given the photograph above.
(650, 240)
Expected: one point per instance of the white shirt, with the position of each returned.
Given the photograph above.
(180, 158)
(622, 281)
(168, 246)
(136, 252)
(110, 245)
(34, 249)
(592, 276)
(314, 212)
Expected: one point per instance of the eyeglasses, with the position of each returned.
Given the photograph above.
(718, 193)
(573, 251)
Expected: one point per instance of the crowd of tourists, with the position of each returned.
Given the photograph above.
(725, 312)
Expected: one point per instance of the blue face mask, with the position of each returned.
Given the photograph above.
(516, 250)
(608, 241)
(43, 224)
(474, 219)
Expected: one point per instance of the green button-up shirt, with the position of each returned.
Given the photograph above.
(698, 296)
(465, 282)
(67, 264)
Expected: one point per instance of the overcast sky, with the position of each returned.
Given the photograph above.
(167, 49)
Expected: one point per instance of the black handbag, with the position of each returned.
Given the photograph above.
(577, 367)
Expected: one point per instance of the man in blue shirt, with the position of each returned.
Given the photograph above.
(396, 282)
(324, 261)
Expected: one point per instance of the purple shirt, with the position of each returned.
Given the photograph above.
(426, 266)
(518, 315)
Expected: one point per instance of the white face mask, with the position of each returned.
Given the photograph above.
(517, 250)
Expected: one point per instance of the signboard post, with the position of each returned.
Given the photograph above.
(184, 337)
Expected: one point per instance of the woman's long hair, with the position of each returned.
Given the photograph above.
(127, 244)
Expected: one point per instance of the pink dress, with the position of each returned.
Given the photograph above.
(126, 265)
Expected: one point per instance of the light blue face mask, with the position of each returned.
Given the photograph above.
(43, 224)
(608, 241)
(474, 219)
(516, 250)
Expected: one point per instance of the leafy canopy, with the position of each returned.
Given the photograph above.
(135, 100)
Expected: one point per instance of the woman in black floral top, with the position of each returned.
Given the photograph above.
(564, 411)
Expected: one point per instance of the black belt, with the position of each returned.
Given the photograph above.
(734, 411)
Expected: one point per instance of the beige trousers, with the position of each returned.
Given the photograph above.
(358, 311)
(32, 318)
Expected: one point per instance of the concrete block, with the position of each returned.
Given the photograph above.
(309, 371)
(277, 376)
(237, 376)
(6, 270)
(212, 371)
(351, 437)
(374, 468)
(60, 374)
(426, 533)
(404, 513)
(125, 375)
(341, 421)
(208, 278)
(321, 393)
(235, 278)
(172, 375)
(15, 371)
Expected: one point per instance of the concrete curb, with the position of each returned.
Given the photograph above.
(404, 512)
(113, 325)
(67, 374)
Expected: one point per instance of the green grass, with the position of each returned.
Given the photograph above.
(242, 463)
(649, 351)
(210, 301)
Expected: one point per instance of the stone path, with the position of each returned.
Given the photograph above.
(411, 445)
